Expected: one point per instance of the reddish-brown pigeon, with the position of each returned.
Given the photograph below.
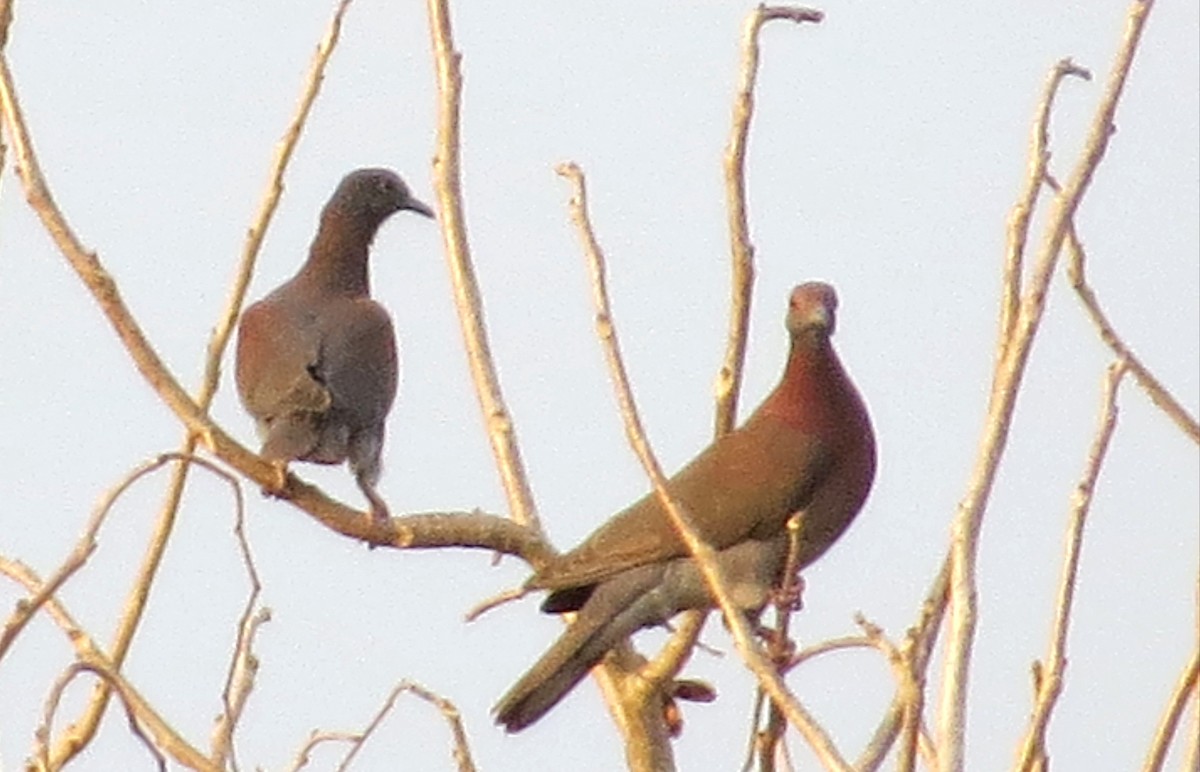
(316, 358)
(808, 448)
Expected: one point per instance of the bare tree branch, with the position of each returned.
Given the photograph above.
(673, 656)
(29, 579)
(1022, 211)
(924, 634)
(1007, 376)
(467, 298)
(55, 696)
(729, 378)
(1185, 690)
(461, 749)
(243, 665)
(910, 693)
(779, 643)
(91, 658)
(1159, 395)
(315, 738)
(1050, 680)
(83, 548)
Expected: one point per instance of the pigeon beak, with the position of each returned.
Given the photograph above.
(817, 317)
(420, 207)
(820, 317)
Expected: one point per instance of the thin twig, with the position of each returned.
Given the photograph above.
(729, 378)
(87, 652)
(1050, 683)
(908, 667)
(315, 738)
(467, 298)
(678, 649)
(1007, 376)
(461, 749)
(1185, 690)
(55, 696)
(81, 553)
(1159, 394)
(1022, 211)
(828, 646)
(29, 579)
(143, 718)
(700, 551)
(910, 691)
(243, 665)
(924, 636)
(270, 201)
(497, 600)
(771, 737)
(646, 739)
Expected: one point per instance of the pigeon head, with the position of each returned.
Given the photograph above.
(373, 195)
(812, 311)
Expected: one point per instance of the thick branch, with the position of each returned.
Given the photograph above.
(412, 531)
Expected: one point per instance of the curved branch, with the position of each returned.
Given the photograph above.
(449, 711)
(142, 717)
(408, 532)
(90, 657)
(1159, 394)
(86, 544)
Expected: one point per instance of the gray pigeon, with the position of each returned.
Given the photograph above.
(316, 358)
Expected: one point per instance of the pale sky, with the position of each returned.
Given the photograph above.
(887, 150)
